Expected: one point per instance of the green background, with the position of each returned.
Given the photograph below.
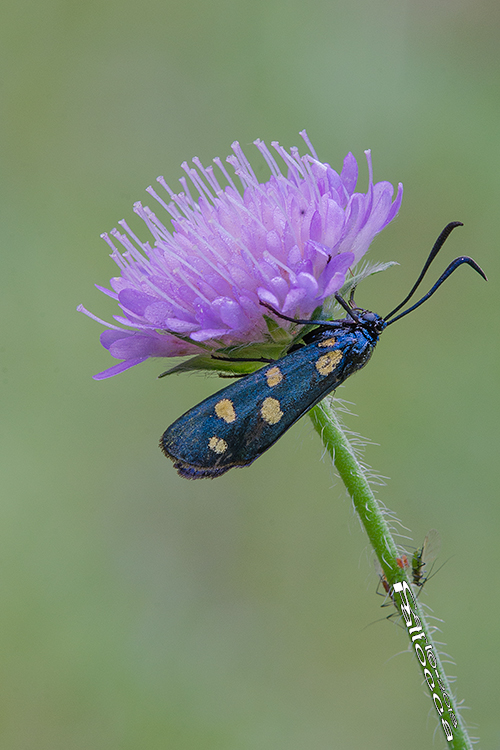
(139, 610)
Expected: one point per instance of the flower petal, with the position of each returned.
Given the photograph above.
(288, 241)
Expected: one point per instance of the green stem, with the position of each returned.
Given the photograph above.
(371, 513)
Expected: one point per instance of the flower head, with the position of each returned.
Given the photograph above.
(288, 242)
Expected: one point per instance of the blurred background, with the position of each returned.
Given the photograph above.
(142, 610)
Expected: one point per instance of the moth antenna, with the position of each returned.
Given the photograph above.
(435, 250)
(452, 267)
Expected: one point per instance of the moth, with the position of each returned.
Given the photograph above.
(239, 423)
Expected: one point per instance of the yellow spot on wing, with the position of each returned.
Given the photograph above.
(328, 342)
(217, 445)
(274, 376)
(225, 410)
(271, 410)
(327, 362)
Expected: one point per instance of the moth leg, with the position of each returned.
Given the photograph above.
(329, 323)
(265, 360)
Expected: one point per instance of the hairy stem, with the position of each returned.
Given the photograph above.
(372, 516)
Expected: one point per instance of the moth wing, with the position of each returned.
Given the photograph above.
(237, 424)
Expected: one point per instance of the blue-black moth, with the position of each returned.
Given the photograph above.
(237, 424)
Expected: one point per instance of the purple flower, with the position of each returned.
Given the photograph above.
(289, 242)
